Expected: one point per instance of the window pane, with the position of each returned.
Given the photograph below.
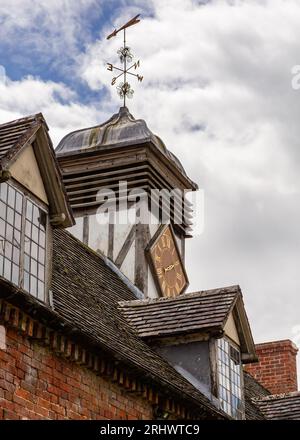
(2, 228)
(1, 262)
(33, 267)
(9, 232)
(26, 281)
(33, 286)
(8, 250)
(35, 234)
(27, 262)
(2, 210)
(41, 291)
(19, 203)
(28, 229)
(41, 272)
(10, 216)
(3, 192)
(17, 239)
(15, 274)
(41, 255)
(18, 221)
(42, 238)
(34, 250)
(29, 210)
(11, 197)
(36, 215)
(7, 269)
(16, 255)
(43, 221)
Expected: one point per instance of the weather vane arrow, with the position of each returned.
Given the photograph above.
(124, 88)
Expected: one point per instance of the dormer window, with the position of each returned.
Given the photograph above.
(23, 229)
(230, 378)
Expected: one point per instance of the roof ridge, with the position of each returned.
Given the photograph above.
(10, 149)
(185, 296)
(29, 118)
(273, 397)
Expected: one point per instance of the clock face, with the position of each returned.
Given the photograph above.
(167, 266)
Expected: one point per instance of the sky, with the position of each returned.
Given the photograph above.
(220, 88)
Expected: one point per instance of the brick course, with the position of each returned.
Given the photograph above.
(276, 369)
(35, 383)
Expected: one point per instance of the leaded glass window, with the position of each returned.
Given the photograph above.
(23, 229)
(230, 379)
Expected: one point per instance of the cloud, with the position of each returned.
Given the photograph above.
(35, 33)
(217, 89)
(2, 74)
(56, 101)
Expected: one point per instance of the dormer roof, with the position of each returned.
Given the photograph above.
(15, 136)
(191, 313)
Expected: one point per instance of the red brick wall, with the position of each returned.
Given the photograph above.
(37, 384)
(276, 369)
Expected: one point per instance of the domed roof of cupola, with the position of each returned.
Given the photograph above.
(122, 129)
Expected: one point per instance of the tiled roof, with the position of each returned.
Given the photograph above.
(280, 407)
(189, 312)
(252, 390)
(14, 134)
(86, 292)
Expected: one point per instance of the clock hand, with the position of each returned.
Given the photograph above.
(167, 269)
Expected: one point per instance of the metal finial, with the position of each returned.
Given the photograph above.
(124, 89)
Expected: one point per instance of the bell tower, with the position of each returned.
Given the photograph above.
(127, 192)
(124, 160)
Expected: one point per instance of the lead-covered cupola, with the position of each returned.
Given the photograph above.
(119, 133)
(121, 130)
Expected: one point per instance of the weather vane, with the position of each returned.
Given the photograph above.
(124, 88)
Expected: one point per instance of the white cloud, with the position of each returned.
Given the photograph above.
(46, 31)
(2, 74)
(56, 101)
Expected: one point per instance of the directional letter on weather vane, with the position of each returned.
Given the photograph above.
(124, 88)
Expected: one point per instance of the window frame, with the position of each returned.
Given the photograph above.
(29, 196)
(236, 347)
